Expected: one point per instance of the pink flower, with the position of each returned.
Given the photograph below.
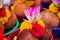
(33, 13)
(37, 30)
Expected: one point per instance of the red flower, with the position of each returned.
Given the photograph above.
(2, 36)
(2, 12)
(37, 30)
(1, 31)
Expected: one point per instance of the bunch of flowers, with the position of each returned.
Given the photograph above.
(34, 24)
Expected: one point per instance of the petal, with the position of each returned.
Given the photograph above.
(37, 13)
(27, 14)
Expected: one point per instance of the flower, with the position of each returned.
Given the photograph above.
(41, 23)
(25, 25)
(2, 36)
(2, 12)
(1, 31)
(15, 38)
(37, 30)
(33, 13)
(12, 8)
(58, 14)
(4, 19)
(53, 8)
(8, 15)
(57, 2)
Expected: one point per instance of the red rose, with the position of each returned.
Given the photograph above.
(37, 30)
(2, 12)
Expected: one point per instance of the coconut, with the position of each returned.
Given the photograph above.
(26, 35)
(50, 19)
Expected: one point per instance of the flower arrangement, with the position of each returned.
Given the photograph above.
(37, 29)
(33, 22)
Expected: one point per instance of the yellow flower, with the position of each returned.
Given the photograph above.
(15, 38)
(25, 25)
(8, 13)
(41, 23)
(4, 20)
(53, 8)
(58, 14)
(12, 8)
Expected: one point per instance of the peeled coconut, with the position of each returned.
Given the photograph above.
(26, 35)
(50, 19)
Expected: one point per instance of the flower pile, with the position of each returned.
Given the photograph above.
(34, 24)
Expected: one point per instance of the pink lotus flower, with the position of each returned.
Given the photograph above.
(57, 2)
(33, 13)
